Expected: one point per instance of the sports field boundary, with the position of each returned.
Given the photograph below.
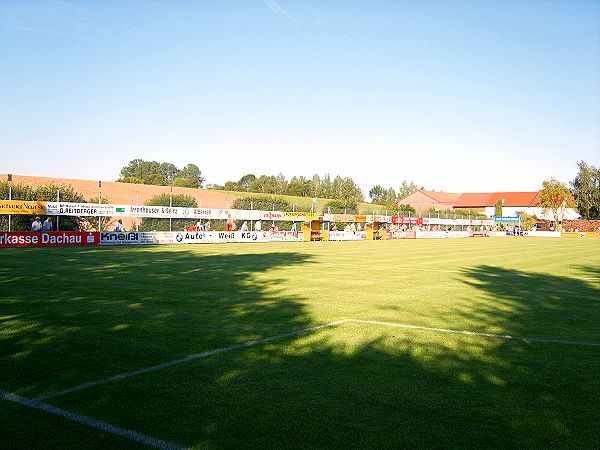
(252, 343)
(185, 359)
(38, 402)
(90, 422)
(481, 334)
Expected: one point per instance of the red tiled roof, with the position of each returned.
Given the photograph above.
(478, 200)
(439, 197)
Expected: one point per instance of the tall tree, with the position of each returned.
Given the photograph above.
(246, 181)
(299, 186)
(555, 197)
(586, 190)
(407, 188)
(377, 194)
(189, 176)
(163, 174)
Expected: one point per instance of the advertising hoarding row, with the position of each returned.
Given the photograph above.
(195, 237)
(167, 212)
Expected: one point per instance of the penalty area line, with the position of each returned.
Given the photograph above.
(175, 362)
(90, 422)
(476, 333)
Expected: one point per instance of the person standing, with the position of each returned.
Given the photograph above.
(47, 226)
(36, 225)
(119, 226)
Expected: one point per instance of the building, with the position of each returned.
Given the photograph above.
(512, 202)
(423, 200)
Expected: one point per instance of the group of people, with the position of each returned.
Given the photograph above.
(37, 225)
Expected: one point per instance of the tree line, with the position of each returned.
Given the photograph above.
(342, 189)
(161, 174)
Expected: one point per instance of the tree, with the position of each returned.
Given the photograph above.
(262, 203)
(405, 208)
(499, 204)
(190, 176)
(169, 171)
(377, 194)
(162, 174)
(299, 186)
(407, 189)
(527, 220)
(22, 222)
(586, 191)
(555, 197)
(246, 181)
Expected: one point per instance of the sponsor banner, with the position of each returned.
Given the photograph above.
(120, 238)
(344, 218)
(401, 220)
(581, 234)
(298, 216)
(22, 207)
(441, 234)
(347, 236)
(507, 219)
(193, 237)
(279, 236)
(159, 212)
(52, 239)
(85, 209)
(378, 219)
(189, 237)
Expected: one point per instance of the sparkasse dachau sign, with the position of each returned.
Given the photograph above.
(53, 239)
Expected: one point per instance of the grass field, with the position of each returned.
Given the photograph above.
(192, 315)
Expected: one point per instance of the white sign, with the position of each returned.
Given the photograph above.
(347, 236)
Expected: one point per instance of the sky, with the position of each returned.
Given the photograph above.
(459, 96)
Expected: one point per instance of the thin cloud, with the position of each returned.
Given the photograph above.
(274, 6)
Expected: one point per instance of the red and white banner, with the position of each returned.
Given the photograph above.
(53, 239)
(407, 220)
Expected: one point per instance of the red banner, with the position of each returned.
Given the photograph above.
(407, 220)
(53, 239)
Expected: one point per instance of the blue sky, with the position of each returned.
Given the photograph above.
(456, 95)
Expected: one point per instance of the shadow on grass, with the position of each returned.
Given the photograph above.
(352, 386)
(68, 316)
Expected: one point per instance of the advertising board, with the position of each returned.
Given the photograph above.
(52, 239)
(22, 207)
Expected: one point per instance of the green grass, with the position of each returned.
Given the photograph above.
(69, 316)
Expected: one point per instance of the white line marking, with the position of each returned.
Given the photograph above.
(475, 333)
(185, 359)
(85, 420)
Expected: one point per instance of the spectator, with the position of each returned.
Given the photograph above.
(257, 225)
(244, 226)
(207, 225)
(119, 226)
(47, 226)
(36, 225)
